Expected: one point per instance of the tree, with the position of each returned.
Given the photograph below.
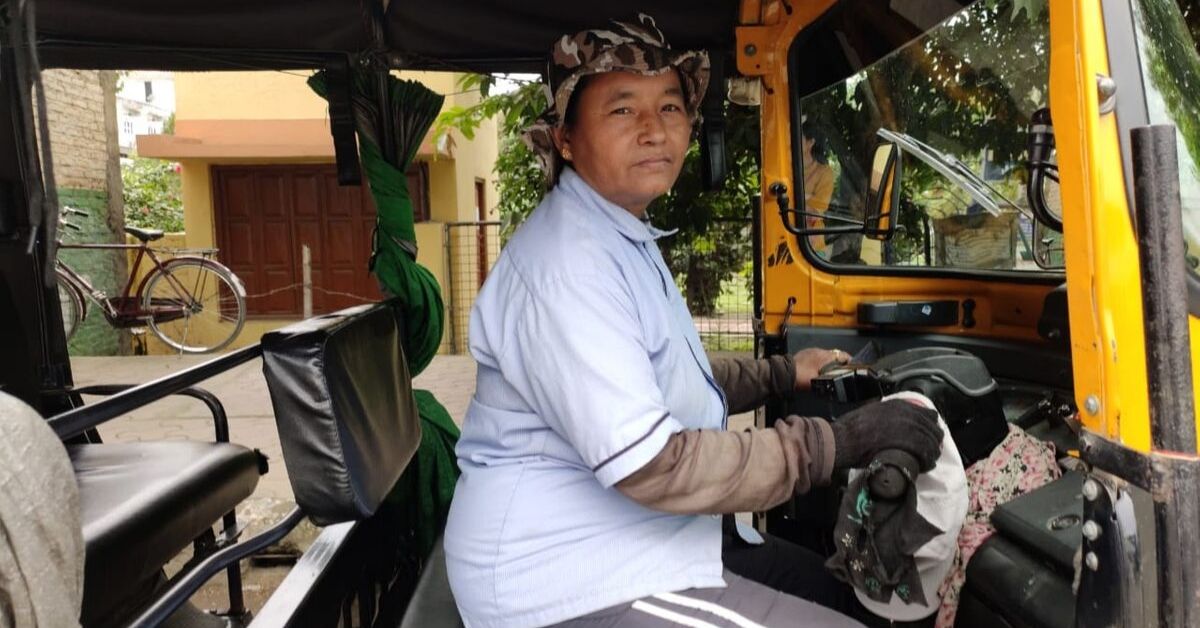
(152, 194)
(713, 242)
(969, 85)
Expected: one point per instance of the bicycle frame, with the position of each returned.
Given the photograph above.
(126, 309)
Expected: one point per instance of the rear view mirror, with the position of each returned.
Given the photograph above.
(883, 193)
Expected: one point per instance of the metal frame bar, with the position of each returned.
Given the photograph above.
(184, 587)
(297, 587)
(1168, 373)
(75, 422)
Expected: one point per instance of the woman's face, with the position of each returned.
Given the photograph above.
(629, 136)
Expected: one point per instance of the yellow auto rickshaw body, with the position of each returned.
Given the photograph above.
(1100, 249)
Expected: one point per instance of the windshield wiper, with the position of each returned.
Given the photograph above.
(953, 169)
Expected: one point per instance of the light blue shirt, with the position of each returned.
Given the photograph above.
(588, 361)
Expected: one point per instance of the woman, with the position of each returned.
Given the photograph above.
(594, 457)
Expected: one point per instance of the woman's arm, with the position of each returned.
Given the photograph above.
(712, 471)
(748, 382)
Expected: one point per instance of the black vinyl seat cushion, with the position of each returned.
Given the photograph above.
(432, 604)
(142, 503)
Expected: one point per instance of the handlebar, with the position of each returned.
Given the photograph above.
(888, 482)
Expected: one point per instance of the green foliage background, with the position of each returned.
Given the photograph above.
(152, 194)
(713, 243)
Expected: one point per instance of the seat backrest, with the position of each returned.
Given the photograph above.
(344, 407)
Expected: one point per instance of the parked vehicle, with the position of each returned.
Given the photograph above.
(192, 302)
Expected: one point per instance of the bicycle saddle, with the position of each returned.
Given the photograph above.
(145, 235)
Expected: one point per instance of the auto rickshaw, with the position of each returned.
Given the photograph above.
(1016, 197)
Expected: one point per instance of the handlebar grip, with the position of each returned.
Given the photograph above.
(888, 482)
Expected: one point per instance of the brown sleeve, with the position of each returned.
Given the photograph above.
(711, 471)
(748, 382)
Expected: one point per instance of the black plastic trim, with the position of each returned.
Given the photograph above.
(1005, 359)
(913, 313)
(1018, 277)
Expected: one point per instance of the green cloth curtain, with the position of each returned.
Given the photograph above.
(427, 485)
(393, 259)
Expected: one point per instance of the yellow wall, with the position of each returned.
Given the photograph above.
(265, 95)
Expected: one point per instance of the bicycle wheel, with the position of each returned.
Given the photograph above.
(71, 304)
(196, 305)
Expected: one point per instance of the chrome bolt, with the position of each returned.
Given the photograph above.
(1091, 490)
(1092, 561)
(750, 50)
(1091, 531)
(1106, 89)
(1092, 404)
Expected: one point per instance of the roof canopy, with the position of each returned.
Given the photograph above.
(457, 35)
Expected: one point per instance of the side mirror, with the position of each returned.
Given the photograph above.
(883, 193)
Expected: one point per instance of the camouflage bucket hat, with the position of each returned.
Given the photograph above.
(640, 48)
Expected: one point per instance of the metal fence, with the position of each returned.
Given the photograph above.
(472, 249)
(731, 326)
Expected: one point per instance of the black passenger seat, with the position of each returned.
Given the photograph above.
(143, 503)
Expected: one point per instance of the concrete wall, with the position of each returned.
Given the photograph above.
(81, 111)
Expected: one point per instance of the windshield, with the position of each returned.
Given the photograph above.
(1167, 50)
(958, 101)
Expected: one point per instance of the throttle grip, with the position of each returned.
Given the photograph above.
(888, 482)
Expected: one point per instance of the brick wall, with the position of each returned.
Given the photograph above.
(81, 111)
(75, 107)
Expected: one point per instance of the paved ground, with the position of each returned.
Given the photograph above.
(243, 391)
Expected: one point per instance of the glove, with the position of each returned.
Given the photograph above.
(863, 432)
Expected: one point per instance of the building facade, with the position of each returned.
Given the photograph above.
(259, 185)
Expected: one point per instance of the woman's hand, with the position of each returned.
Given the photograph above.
(809, 363)
(893, 424)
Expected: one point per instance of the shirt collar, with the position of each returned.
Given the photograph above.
(620, 218)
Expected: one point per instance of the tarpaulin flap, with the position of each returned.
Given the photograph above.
(177, 34)
(453, 35)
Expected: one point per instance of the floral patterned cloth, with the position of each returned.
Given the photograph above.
(1019, 464)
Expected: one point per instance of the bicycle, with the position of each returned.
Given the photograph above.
(191, 302)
